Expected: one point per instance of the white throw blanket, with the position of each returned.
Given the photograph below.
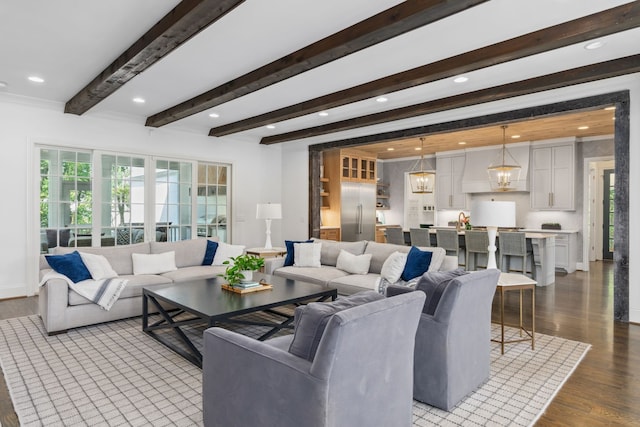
(103, 292)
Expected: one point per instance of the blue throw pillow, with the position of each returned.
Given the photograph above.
(288, 261)
(70, 265)
(417, 263)
(212, 247)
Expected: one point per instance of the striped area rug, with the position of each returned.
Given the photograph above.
(113, 374)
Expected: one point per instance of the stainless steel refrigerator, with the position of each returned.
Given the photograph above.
(357, 211)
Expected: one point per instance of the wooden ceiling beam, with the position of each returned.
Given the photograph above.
(390, 23)
(600, 24)
(587, 73)
(184, 21)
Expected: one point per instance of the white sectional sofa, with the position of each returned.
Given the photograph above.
(61, 308)
(346, 283)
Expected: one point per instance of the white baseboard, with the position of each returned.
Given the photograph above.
(13, 292)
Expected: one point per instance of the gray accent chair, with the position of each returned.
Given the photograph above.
(453, 341)
(361, 374)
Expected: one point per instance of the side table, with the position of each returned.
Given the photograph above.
(267, 253)
(517, 282)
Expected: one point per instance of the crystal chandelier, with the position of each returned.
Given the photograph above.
(504, 172)
(422, 181)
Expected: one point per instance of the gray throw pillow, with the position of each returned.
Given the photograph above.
(434, 284)
(310, 321)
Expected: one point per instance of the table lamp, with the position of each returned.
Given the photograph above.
(492, 214)
(269, 211)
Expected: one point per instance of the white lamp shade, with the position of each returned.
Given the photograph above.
(493, 214)
(269, 211)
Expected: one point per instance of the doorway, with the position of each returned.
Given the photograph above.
(608, 212)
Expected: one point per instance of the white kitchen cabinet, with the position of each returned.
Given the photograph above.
(449, 174)
(552, 183)
(566, 251)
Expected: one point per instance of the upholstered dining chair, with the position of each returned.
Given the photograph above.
(453, 342)
(514, 244)
(395, 235)
(361, 373)
(420, 237)
(476, 242)
(448, 240)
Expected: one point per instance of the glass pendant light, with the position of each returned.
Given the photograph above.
(422, 181)
(504, 172)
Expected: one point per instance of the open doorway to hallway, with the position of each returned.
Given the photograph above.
(599, 211)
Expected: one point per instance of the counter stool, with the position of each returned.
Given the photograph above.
(514, 244)
(477, 242)
(395, 235)
(420, 237)
(448, 240)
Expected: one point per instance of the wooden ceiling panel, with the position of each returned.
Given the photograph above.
(599, 122)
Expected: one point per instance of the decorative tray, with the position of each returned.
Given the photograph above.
(238, 290)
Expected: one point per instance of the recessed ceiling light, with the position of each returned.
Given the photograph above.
(594, 45)
(323, 114)
(610, 108)
(462, 143)
(214, 115)
(583, 127)
(270, 126)
(461, 79)
(3, 84)
(418, 148)
(35, 79)
(515, 136)
(382, 99)
(390, 149)
(138, 100)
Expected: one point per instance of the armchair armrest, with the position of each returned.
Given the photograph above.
(271, 264)
(393, 290)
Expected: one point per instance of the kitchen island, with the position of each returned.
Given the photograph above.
(544, 252)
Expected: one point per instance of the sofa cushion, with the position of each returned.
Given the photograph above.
(290, 258)
(393, 267)
(380, 252)
(154, 263)
(354, 264)
(306, 254)
(331, 250)
(433, 284)
(195, 272)
(98, 266)
(210, 252)
(226, 251)
(187, 252)
(319, 276)
(70, 265)
(311, 320)
(354, 283)
(119, 256)
(417, 263)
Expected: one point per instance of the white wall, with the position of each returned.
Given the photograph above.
(298, 174)
(255, 175)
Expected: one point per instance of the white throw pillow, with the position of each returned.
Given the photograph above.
(98, 266)
(354, 264)
(307, 254)
(226, 251)
(393, 267)
(154, 263)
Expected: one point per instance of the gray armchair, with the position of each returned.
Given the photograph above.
(361, 374)
(453, 341)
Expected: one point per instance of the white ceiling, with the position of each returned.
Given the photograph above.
(68, 42)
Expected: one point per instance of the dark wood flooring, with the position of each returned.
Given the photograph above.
(603, 391)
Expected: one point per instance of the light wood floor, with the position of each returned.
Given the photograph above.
(603, 391)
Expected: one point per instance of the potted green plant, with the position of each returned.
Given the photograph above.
(241, 268)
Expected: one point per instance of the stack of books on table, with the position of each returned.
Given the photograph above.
(247, 285)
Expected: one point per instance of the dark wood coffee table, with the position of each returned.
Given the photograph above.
(205, 302)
